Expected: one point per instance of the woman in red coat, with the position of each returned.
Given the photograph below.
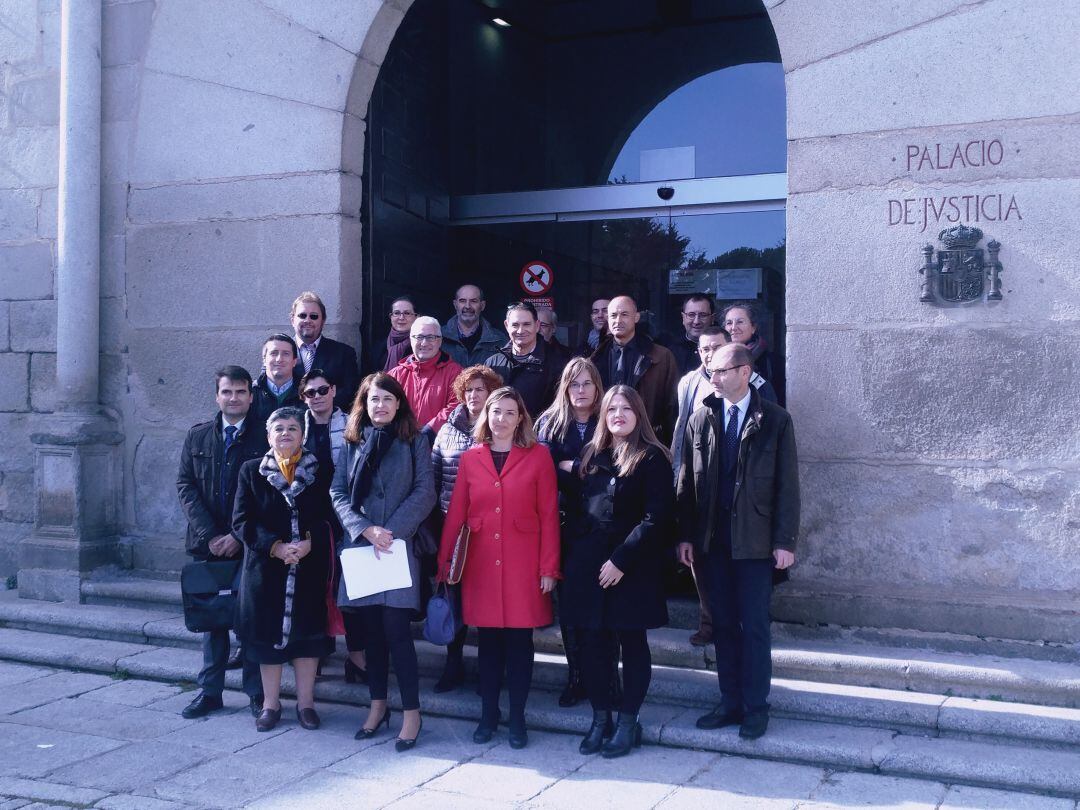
(507, 494)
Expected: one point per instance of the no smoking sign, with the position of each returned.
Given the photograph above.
(536, 278)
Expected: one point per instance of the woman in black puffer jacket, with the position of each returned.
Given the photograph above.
(471, 388)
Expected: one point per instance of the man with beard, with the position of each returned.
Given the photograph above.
(467, 337)
(337, 359)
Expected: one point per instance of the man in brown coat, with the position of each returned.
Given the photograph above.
(738, 507)
(629, 357)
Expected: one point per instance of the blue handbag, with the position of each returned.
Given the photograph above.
(443, 621)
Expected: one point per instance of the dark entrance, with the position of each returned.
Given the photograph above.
(490, 146)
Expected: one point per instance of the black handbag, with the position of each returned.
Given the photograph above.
(443, 620)
(208, 594)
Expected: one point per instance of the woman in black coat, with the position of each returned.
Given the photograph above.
(281, 514)
(615, 544)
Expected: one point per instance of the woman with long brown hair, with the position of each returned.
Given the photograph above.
(382, 490)
(616, 539)
(507, 495)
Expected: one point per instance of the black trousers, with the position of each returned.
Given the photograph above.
(739, 593)
(215, 649)
(600, 655)
(504, 651)
(388, 636)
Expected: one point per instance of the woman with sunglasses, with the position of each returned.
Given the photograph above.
(324, 435)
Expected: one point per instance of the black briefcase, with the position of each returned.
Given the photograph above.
(209, 598)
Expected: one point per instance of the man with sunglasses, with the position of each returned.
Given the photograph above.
(738, 509)
(308, 317)
(428, 375)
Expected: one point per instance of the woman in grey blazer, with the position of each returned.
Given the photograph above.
(383, 488)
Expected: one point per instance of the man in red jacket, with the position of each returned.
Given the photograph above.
(428, 375)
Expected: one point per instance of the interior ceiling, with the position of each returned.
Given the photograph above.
(556, 20)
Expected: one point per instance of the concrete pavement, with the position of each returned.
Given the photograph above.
(76, 739)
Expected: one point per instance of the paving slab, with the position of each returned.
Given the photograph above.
(874, 790)
(693, 798)
(49, 688)
(649, 763)
(33, 752)
(426, 799)
(127, 802)
(134, 767)
(47, 791)
(760, 778)
(493, 781)
(963, 797)
(82, 714)
(598, 794)
(11, 673)
(548, 754)
(223, 783)
(136, 692)
(224, 732)
(334, 791)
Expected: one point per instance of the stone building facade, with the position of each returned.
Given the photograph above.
(939, 445)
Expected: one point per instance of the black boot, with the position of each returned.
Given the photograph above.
(575, 689)
(453, 674)
(600, 730)
(627, 735)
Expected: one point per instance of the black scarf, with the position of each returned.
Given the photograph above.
(375, 443)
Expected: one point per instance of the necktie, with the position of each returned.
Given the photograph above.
(223, 484)
(620, 369)
(308, 354)
(731, 437)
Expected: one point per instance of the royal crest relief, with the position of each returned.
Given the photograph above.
(961, 273)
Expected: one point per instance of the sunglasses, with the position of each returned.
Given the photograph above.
(321, 391)
(305, 315)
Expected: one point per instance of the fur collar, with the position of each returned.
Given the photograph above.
(302, 478)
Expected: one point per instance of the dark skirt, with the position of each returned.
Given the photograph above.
(263, 653)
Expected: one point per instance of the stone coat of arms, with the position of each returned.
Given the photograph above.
(962, 273)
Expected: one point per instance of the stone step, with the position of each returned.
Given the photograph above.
(836, 659)
(678, 681)
(979, 762)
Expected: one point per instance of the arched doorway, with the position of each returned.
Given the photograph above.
(555, 137)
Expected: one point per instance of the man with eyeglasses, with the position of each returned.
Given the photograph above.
(738, 510)
(697, 314)
(692, 390)
(467, 337)
(308, 316)
(402, 315)
(526, 362)
(428, 375)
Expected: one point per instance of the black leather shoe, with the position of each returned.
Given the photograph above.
(202, 706)
(719, 717)
(754, 725)
(627, 736)
(236, 658)
(255, 704)
(483, 733)
(267, 719)
(517, 735)
(368, 733)
(308, 718)
(600, 730)
(408, 745)
(353, 673)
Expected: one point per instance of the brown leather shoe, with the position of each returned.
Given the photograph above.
(308, 718)
(702, 638)
(267, 719)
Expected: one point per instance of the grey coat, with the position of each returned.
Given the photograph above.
(402, 495)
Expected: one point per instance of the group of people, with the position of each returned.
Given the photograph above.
(575, 474)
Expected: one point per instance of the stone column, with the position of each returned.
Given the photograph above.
(77, 479)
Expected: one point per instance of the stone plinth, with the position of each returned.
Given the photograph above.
(77, 490)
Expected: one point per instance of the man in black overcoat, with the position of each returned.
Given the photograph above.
(308, 317)
(209, 465)
(738, 505)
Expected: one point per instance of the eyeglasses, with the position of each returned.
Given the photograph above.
(321, 391)
(306, 315)
(724, 370)
(425, 338)
(581, 386)
(397, 313)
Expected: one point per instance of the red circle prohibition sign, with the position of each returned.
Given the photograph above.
(536, 278)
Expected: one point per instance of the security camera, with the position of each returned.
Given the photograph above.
(665, 192)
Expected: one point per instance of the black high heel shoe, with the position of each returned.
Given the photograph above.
(368, 733)
(599, 732)
(626, 737)
(408, 745)
(353, 673)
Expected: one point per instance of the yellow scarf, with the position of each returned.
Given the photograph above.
(288, 465)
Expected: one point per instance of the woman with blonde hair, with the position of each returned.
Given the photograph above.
(616, 540)
(507, 496)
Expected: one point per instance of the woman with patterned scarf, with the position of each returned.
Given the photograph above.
(280, 516)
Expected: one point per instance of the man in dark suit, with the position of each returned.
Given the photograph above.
(209, 465)
(738, 505)
(278, 384)
(337, 359)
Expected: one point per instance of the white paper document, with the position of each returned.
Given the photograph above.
(365, 575)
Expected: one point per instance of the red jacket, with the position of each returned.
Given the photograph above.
(514, 522)
(428, 387)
